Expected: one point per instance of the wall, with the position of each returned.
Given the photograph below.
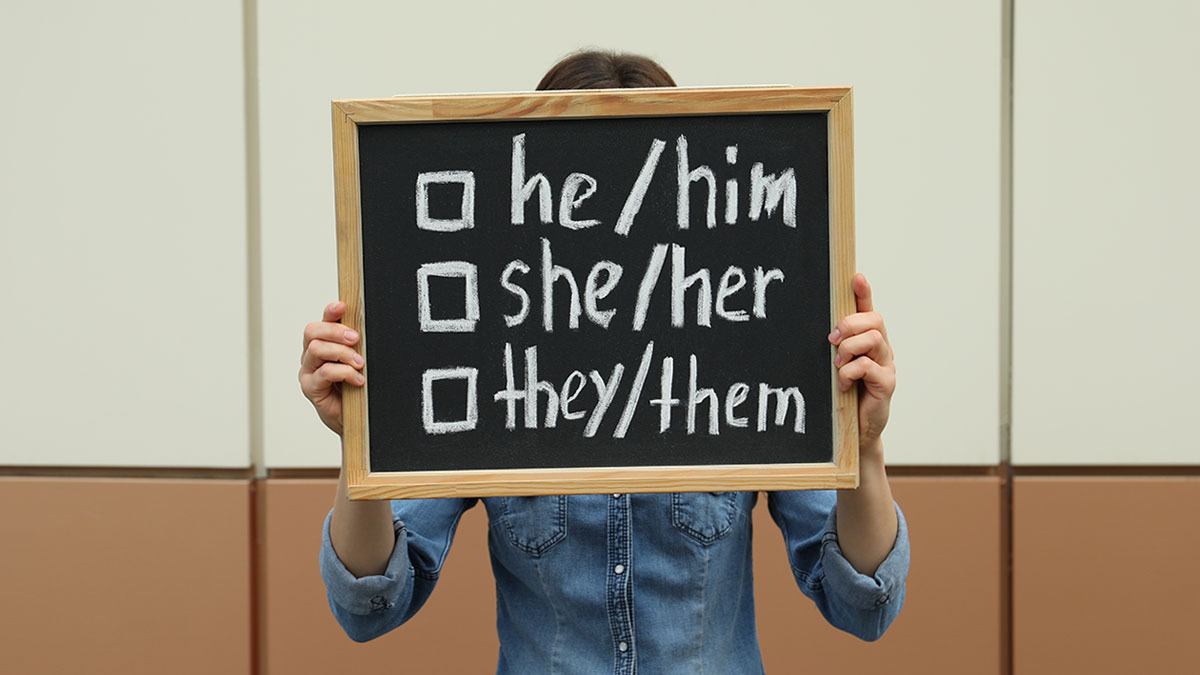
(119, 575)
(908, 188)
(165, 479)
(123, 263)
(1106, 232)
(1104, 161)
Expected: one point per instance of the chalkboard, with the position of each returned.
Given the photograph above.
(604, 291)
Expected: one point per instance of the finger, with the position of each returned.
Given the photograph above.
(856, 324)
(323, 378)
(879, 381)
(329, 331)
(321, 351)
(334, 311)
(870, 344)
(862, 293)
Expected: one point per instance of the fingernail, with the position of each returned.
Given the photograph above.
(358, 361)
(837, 359)
(351, 335)
(835, 335)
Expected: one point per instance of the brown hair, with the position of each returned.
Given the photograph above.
(605, 70)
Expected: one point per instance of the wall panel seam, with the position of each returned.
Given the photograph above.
(254, 324)
(1008, 11)
(254, 295)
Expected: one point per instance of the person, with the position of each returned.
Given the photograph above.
(618, 583)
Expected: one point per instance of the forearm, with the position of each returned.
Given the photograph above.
(866, 517)
(361, 532)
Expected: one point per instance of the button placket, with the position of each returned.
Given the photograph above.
(619, 592)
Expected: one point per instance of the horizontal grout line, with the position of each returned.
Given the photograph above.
(908, 470)
(316, 473)
(1115, 470)
(212, 473)
(912, 470)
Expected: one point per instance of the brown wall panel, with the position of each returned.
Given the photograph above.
(951, 618)
(124, 576)
(954, 590)
(455, 632)
(1104, 575)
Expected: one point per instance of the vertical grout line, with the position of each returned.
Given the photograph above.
(1007, 654)
(254, 319)
(256, 651)
(1006, 558)
(1006, 233)
(253, 233)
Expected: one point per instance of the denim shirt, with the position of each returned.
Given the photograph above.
(622, 583)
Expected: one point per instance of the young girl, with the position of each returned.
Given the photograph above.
(619, 582)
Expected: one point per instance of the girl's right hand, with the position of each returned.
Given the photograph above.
(329, 361)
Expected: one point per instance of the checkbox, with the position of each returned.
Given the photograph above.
(466, 217)
(432, 425)
(451, 269)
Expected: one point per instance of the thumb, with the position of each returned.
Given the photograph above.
(334, 311)
(862, 293)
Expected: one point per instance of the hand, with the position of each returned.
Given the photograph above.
(864, 355)
(328, 362)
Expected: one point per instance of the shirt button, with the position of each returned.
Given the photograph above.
(616, 495)
(623, 646)
(619, 569)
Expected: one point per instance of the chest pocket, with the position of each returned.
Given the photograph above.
(534, 524)
(704, 516)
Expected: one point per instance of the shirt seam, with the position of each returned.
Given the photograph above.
(428, 576)
(632, 589)
(703, 605)
(446, 542)
(814, 582)
(537, 564)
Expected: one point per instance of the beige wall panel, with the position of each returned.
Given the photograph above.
(1106, 231)
(454, 633)
(125, 577)
(123, 234)
(927, 101)
(953, 590)
(1103, 575)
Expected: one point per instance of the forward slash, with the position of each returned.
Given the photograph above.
(635, 392)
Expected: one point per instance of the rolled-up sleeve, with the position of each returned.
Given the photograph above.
(367, 607)
(859, 604)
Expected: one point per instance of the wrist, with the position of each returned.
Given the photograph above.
(870, 451)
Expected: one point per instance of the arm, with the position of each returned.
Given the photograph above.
(862, 605)
(867, 524)
(379, 560)
(852, 560)
(421, 532)
(360, 531)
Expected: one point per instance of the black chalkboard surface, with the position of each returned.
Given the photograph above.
(597, 291)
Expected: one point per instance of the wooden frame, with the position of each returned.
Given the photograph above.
(842, 472)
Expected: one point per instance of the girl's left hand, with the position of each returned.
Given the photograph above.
(865, 355)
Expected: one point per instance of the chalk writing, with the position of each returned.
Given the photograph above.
(685, 296)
